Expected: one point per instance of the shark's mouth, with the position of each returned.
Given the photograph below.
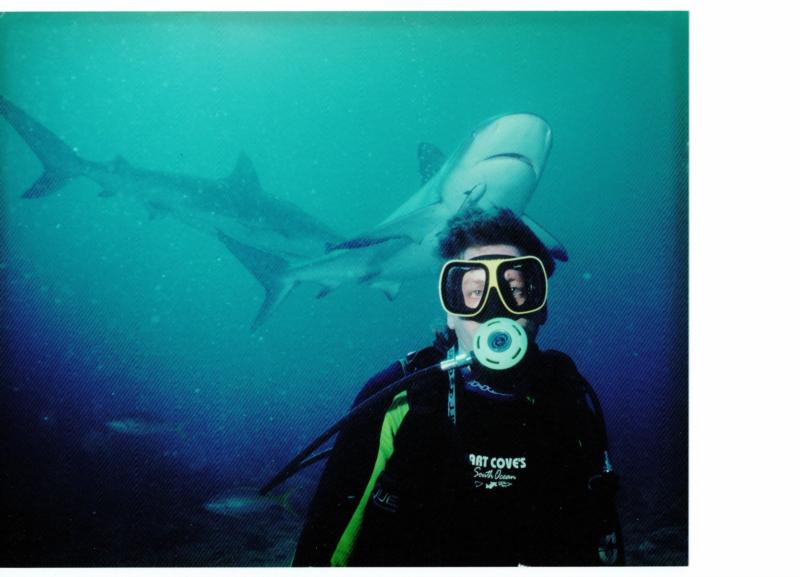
(514, 155)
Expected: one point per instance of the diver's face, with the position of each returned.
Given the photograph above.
(473, 285)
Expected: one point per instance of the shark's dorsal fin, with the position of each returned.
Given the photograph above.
(154, 210)
(430, 160)
(244, 175)
(119, 160)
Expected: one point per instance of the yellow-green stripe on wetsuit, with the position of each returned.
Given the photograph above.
(391, 423)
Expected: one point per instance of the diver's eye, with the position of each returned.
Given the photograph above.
(475, 293)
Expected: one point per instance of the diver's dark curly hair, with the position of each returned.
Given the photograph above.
(478, 227)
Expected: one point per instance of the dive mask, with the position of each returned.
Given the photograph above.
(519, 283)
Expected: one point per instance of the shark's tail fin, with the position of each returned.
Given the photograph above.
(268, 269)
(285, 502)
(60, 162)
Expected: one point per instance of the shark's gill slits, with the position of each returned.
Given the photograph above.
(514, 155)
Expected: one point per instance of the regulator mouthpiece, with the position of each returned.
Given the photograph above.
(500, 343)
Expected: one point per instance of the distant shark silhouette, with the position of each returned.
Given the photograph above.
(499, 165)
(235, 205)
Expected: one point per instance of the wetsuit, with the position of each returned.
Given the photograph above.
(507, 483)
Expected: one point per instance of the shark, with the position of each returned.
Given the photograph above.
(144, 425)
(235, 204)
(241, 502)
(499, 165)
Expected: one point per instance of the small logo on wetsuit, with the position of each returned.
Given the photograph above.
(494, 472)
(383, 499)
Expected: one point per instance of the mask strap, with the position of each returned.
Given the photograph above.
(451, 392)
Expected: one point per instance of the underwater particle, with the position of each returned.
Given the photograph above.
(586, 276)
(155, 319)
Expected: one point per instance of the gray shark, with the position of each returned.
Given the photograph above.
(498, 165)
(246, 501)
(235, 205)
(144, 425)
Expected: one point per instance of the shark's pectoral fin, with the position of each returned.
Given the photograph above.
(472, 196)
(430, 161)
(387, 287)
(268, 269)
(412, 227)
(156, 210)
(370, 276)
(551, 243)
(325, 291)
(359, 242)
(390, 288)
(47, 184)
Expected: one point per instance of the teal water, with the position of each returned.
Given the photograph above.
(107, 312)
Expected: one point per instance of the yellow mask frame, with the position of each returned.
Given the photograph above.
(491, 265)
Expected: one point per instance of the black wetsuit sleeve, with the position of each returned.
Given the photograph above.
(344, 478)
(583, 516)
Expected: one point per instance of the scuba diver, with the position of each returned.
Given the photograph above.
(501, 462)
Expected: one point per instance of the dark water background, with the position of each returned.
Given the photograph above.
(106, 312)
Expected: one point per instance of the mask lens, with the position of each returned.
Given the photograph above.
(523, 284)
(463, 288)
